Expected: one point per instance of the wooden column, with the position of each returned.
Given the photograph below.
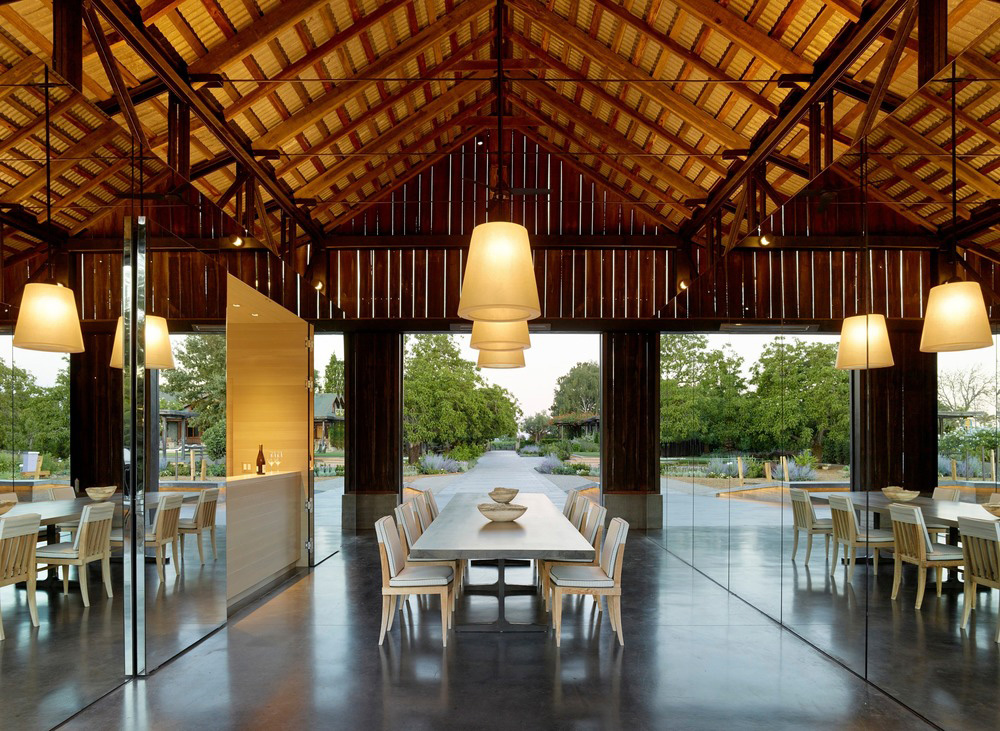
(179, 136)
(95, 413)
(630, 427)
(932, 38)
(373, 441)
(67, 41)
(894, 419)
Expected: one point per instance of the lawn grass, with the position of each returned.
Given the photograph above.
(334, 453)
(587, 454)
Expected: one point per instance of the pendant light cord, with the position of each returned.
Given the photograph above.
(499, 94)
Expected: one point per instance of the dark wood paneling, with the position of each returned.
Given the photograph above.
(373, 386)
(630, 412)
(95, 412)
(894, 419)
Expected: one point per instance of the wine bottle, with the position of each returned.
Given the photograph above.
(260, 460)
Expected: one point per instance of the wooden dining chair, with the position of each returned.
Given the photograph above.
(570, 501)
(202, 520)
(18, 542)
(579, 509)
(804, 520)
(981, 553)
(62, 492)
(952, 494)
(913, 545)
(398, 579)
(409, 532)
(849, 534)
(423, 510)
(431, 504)
(163, 533)
(92, 543)
(592, 528)
(605, 580)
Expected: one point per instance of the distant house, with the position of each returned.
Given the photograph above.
(328, 419)
(177, 429)
(577, 426)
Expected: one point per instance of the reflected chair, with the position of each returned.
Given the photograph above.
(431, 504)
(805, 521)
(592, 528)
(423, 510)
(605, 579)
(849, 534)
(943, 493)
(570, 501)
(981, 553)
(163, 532)
(18, 541)
(409, 532)
(202, 520)
(994, 499)
(913, 545)
(578, 510)
(65, 492)
(398, 579)
(92, 543)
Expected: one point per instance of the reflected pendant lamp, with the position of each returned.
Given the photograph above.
(500, 335)
(955, 319)
(48, 320)
(159, 354)
(500, 359)
(864, 344)
(499, 284)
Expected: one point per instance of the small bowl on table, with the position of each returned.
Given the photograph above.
(991, 508)
(503, 494)
(8, 503)
(899, 495)
(502, 512)
(100, 494)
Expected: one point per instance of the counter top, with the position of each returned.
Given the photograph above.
(255, 476)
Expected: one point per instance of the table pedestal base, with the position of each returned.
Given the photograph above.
(500, 590)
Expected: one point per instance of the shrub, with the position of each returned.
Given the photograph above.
(583, 445)
(466, 453)
(805, 459)
(549, 465)
(752, 468)
(558, 449)
(718, 467)
(530, 450)
(505, 444)
(968, 467)
(798, 472)
(214, 440)
(216, 470)
(436, 464)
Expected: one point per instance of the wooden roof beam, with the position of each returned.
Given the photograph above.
(671, 101)
(796, 106)
(413, 46)
(153, 56)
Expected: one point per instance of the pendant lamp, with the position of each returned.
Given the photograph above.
(499, 284)
(48, 320)
(159, 355)
(864, 344)
(500, 359)
(500, 335)
(955, 319)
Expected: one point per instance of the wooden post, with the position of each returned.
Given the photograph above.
(767, 471)
(67, 41)
(192, 464)
(993, 465)
(739, 469)
(204, 462)
(954, 470)
(932, 38)
(784, 468)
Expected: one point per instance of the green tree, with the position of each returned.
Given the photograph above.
(578, 391)
(333, 377)
(34, 417)
(536, 426)
(199, 381)
(446, 402)
(214, 439)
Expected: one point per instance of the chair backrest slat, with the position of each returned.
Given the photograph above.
(802, 508)
(431, 504)
(167, 514)
(946, 493)
(208, 500)
(617, 532)
(388, 537)
(981, 549)
(18, 539)
(578, 510)
(64, 492)
(423, 510)
(570, 501)
(590, 528)
(94, 536)
(910, 532)
(845, 520)
(408, 523)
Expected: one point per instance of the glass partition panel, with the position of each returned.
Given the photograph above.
(679, 440)
(329, 416)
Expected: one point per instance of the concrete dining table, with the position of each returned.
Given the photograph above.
(941, 512)
(542, 533)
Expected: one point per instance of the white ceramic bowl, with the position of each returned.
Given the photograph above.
(502, 513)
(7, 504)
(899, 495)
(99, 494)
(503, 494)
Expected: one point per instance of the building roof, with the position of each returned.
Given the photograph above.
(327, 405)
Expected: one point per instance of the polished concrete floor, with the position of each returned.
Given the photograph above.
(921, 657)
(307, 656)
(75, 656)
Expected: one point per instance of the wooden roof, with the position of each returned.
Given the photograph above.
(645, 95)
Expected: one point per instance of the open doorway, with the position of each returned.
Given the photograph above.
(329, 414)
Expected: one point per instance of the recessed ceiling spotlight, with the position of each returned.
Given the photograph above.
(764, 241)
(238, 241)
(254, 314)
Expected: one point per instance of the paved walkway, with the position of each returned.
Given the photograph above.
(501, 469)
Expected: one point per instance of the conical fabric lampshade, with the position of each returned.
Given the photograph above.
(48, 320)
(864, 343)
(159, 354)
(955, 319)
(499, 284)
(501, 359)
(500, 335)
